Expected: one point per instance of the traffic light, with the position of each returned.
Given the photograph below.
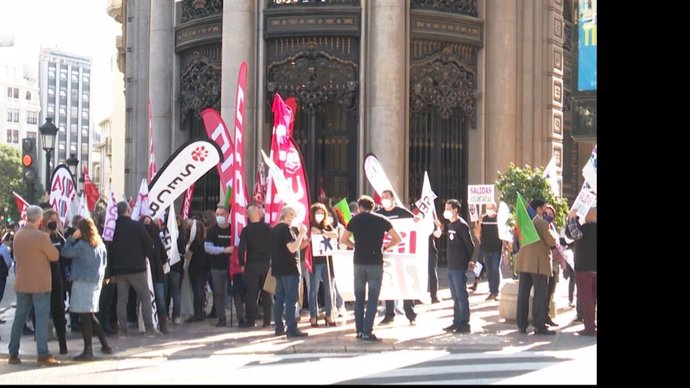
(29, 160)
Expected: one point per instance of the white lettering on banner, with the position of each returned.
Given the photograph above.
(480, 194)
(110, 219)
(582, 203)
(405, 275)
(225, 145)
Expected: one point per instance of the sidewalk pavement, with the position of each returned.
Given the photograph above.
(203, 339)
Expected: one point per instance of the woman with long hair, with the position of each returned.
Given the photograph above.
(320, 226)
(89, 259)
(51, 225)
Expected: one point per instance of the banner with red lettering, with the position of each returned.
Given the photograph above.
(240, 200)
(185, 166)
(110, 218)
(187, 202)
(217, 131)
(22, 206)
(405, 267)
(63, 191)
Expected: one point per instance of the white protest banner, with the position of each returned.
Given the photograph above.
(110, 218)
(187, 164)
(505, 233)
(377, 177)
(474, 212)
(62, 191)
(589, 171)
(582, 203)
(283, 187)
(480, 194)
(169, 236)
(405, 269)
(322, 245)
(141, 206)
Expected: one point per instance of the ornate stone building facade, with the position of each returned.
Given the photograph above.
(459, 88)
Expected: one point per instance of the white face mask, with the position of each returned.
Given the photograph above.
(491, 212)
(318, 217)
(386, 203)
(295, 222)
(220, 220)
(447, 214)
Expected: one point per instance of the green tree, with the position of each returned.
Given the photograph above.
(531, 184)
(10, 180)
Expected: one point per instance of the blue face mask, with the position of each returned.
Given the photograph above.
(548, 219)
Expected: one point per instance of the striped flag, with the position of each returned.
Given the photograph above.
(151, 171)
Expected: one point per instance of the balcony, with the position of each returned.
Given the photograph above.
(114, 10)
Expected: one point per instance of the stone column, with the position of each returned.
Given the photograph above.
(136, 94)
(239, 44)
(387, 86)
(161, 56)
(501, 86)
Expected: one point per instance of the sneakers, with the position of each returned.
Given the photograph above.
(84, 356)
(450, 328)
(297, 333)
(387, 320)
(370, 338)
(47, 360)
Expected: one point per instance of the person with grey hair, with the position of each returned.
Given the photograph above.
(33, 253)
(129, 249)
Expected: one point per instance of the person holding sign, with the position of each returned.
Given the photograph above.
(321, 227)
(368, 230)
(459, 255)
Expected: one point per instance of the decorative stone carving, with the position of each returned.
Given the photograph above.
(443, 82)
(310, 3)
(199, 86)
(464, 7)
(195, 9)
(315, 78)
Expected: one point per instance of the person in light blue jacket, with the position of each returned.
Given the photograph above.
(89, 259)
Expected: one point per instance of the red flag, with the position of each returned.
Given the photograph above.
(151, 171)
(22, 206)
(240, 200)
(91, 192)
(377, 198)
(187, 203)
(282, 118)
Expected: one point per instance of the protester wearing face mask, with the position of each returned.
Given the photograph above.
(391, 212)
(219, 247)
(490, 246)
(321, 271)
(57, 271)
(459, 251)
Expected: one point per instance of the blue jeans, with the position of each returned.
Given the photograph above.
(41, 303)
(159, 296)
(320, 273)
(492, 260)
(172, 286)
(457, 282)
(371, 275)
(287, 291)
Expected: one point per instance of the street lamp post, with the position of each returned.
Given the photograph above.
(72, 163)
(48, 135)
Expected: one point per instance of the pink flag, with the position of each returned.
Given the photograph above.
(217, 131)
(238, 214)
(151, 171)
(187, 203)
(286, 155)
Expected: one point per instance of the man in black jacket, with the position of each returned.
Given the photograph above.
(255, 256)
(129, 249)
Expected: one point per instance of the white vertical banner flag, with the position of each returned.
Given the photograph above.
(377, 177)
(504, 231)
(149, 283)
(141, 206)
(83, 208)
(169, 237)
(589, 171)
(283, 187)
(551, 174)
(110, 218)
(426, 205)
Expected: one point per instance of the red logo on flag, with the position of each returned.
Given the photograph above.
(199, 154)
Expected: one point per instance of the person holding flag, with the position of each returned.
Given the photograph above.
(533, 265)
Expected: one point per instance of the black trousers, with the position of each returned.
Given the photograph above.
(526, 282)
(197, 280)
(433, 274)
(254, 277)
(57, 303)
(408, 306)
(107, 302)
